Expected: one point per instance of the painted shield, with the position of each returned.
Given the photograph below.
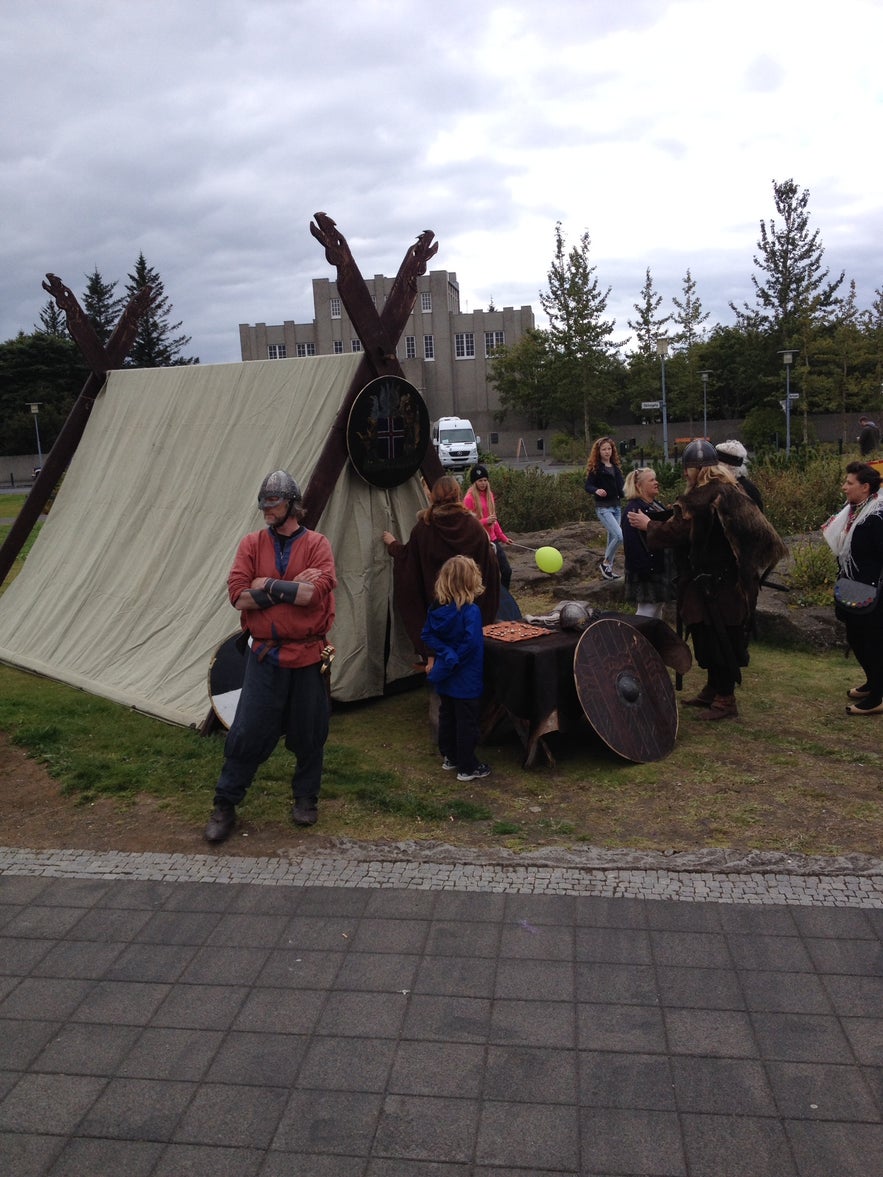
(625, 691)
(226, 674)
(387, 434)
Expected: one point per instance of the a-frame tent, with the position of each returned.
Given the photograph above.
(124, 591)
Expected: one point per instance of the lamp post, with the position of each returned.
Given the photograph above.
(787, 355)
(662, 352)
(705, 376)
(34, 406)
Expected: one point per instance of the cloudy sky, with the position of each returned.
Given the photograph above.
(208, 134)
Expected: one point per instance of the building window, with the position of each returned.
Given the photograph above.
(464, 345)
(335, 308)
(426, 300)
(357, 344)
(493, 340)
(338, 347)
(428, 348)
(410, 347)
(276, 351)
(305, 349)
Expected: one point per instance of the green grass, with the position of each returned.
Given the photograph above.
(794, 774)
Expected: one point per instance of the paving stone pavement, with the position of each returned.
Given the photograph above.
(174, 1015)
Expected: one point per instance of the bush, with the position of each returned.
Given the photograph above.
(531, 500)
(800, 494)
(813, 573)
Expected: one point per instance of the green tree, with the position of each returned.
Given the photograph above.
(101, 306)
(649, 324)
(156, 345)
(52, 321)
(522, 375)
(39, 368)
(579, 335)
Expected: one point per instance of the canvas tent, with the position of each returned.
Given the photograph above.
(124, 591)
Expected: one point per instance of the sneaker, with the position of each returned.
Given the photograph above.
(305, 811)
(481, 770)
(221, 823)
(447, 765)
(607, 572)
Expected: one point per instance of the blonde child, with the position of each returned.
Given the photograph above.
(456, 667)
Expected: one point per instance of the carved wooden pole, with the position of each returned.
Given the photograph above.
(379, 335)
(101, 360)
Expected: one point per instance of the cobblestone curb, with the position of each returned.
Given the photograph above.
(825, 890)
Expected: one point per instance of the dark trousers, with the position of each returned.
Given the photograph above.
(720, 663)
(276, 701)
(458, 730)
(865, 637)
(503, 561)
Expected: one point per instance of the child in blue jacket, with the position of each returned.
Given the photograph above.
(456, 667)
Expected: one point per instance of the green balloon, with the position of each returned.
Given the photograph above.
(549, 560)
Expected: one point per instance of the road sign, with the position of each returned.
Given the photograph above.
(650, 404)
(793, 396)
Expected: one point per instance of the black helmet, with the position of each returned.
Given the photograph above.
(276, 488)
(699, 452)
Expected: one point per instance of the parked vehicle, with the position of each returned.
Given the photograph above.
(456, 442)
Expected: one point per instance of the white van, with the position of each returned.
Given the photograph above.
(455, 442)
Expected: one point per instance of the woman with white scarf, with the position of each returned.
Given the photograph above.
(855, 535)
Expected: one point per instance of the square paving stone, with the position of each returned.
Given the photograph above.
(290, 1164)
(390, 1167)
(819, 1091)
(137, 1109)
(171, 1054)
(232, 1116)
(534, 1023)
(198, 897)
(737, 1146)
(22, 1040)
(458, 938)
(342, 1122)
(755, 920)
(772, 953)
(702, 950)
(541, 909)
(527, 941)
(78, 958)
(836, 922)
(690, 988)
(468, 906)
(100, 1158)
(623, 984)
(271, 1059)
(19, 954)
(104, 925)
(365, 1015)
(724, 1086)
(450, 1019)
(609, 1079)
(377, 935)
(531, 1136)
(27, 1156)
(317, 933)
(22, 889)
(856, 997)
(392, 903)
(619, 1140)
(426, 1128)
(456, 976)
(801, 1038)
(238, 930)
(179, 927)
(289, 968)
(863, 958)
(535, 980)
(596, 911)
(438, 1068)
(337, 901)
(716, 1033)
(151, 962)
(381, 972)
(866, 1039)
(249, 897)
(524, 1074)
(613, 945)
(41, 1101)
(847, 1150)
(44, 923)
(224, 966)
(75, 892)
(289, 1010)
(632, 1028)
(674, 916)
(83, 1049)
(131, 1003)
(202, 1007)
(347, 1064)
(803, 993)
(192, 1160)
(143, 894)
(44, 997)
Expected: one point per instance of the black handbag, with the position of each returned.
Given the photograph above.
(855, 595)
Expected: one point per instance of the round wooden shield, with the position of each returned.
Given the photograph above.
(387, 434)
(226, 674)
(625, 691)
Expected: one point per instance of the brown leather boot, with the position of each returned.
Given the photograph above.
(704, 699)
(722, 707)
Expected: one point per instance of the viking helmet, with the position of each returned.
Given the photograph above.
(278, 487)
(699, 452)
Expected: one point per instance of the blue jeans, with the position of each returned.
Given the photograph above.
(276, 701)
(610, 517)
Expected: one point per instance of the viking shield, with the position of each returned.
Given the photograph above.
(625, 691)
(226, 674)
(387, 434)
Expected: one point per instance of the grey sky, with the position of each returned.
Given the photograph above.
(207, 135)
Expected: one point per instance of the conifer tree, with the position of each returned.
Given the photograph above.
(156, 345)
(101, 307)
(52, 321)
(649, 324)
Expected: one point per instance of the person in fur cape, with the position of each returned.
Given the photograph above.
(444, 529)
(723, 545)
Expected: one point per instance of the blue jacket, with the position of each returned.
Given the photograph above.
(455, 638)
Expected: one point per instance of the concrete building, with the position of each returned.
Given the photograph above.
(443, 350)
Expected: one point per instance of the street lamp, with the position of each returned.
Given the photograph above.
(788, 355)
(34, 406)
(662, 352)
(705, 376)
